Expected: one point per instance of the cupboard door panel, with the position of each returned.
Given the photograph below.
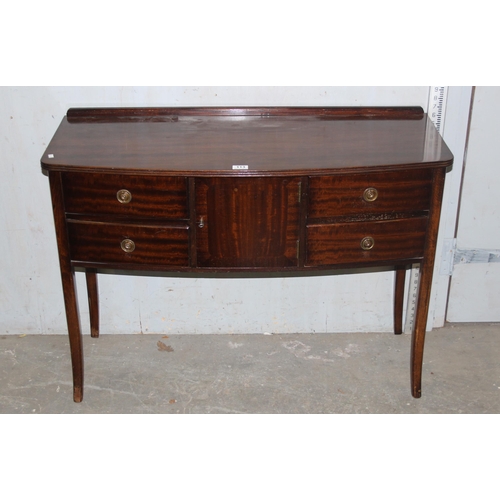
(247, 222)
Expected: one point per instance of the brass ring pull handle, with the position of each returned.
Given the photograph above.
(367, 243)
(201, 224)
(370, 194)
(127, 245)
(123, 196)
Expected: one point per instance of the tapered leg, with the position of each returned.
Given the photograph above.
(425, 283)
(419, 327)
(74, 331)
(68, 285)
(93, 296)
(399, 292)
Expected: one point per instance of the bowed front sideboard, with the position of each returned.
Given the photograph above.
(255, 190)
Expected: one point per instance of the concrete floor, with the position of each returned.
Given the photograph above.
(290, 373)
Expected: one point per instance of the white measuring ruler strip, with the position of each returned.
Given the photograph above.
(436, 110)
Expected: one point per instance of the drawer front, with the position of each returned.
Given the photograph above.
(329, 244)
(128, 244)
(338, 195)
(127, 195)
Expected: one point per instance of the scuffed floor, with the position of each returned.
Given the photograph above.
(292, 373)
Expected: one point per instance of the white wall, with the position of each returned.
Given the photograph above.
(475, 284)
(454, 131)
(30, 290)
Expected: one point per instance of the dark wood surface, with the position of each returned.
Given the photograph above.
(93, 296)
(247, 224)
(79, 115)
(425, 283)
(331, 244)
(153, 189)
(399, 293)
(68, 285)
(100, 243)
(151, 196)
(336, 196)
(271, 144)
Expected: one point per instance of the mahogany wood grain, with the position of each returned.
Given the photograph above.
(425, 282)
(337, 195)
(69, 286)
(76, 115)
(269, 144)
(297, 207)
(100, 242)
(193, 244)
(331, 244)
(399, 292)
(93, 296)
(247, 223)
(152, 196)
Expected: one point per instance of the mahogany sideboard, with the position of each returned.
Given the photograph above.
(274, 190)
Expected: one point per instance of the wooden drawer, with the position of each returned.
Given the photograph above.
(341, 195)
(96, 242)
(150, 196)
(329, 244)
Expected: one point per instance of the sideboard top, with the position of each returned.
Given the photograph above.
(257, 140)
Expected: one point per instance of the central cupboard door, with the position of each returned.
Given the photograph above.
(247, 222)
